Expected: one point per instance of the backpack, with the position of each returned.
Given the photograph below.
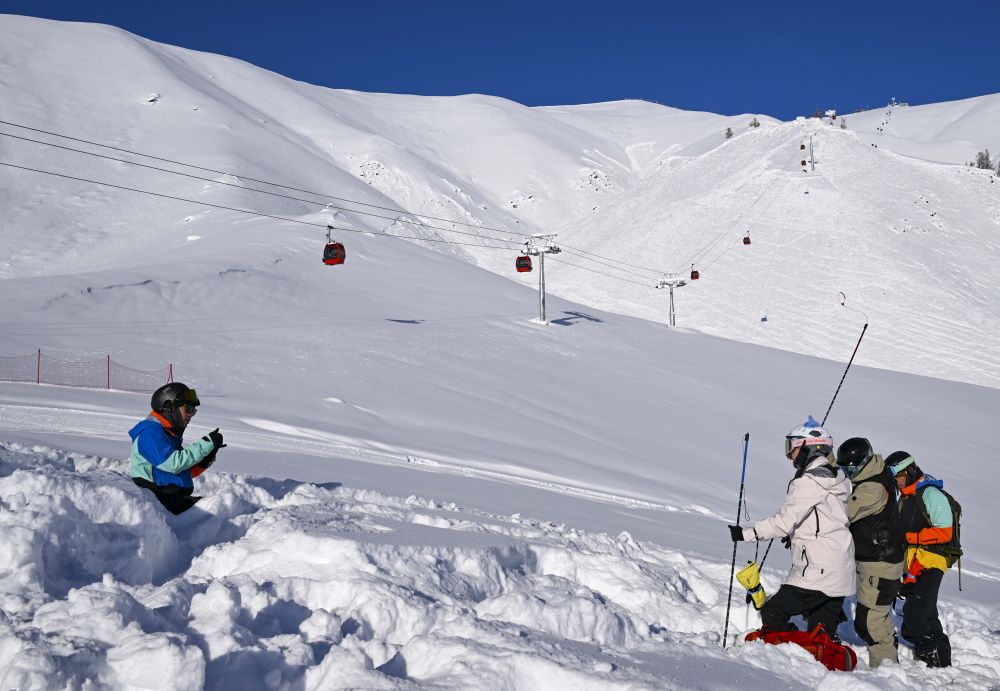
(833, 655)
(951, 551)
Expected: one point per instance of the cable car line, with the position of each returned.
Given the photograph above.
(583, 254)
(253, 189)
(289, 187)
(252, 213)
(577, 250)
(291, 220)
(584, 268)
(612, 266)
(697, 256)
(265, 182)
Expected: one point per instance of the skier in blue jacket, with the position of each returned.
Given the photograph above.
(160, 462)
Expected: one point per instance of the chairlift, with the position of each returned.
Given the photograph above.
(694, 273)
(334, 252)
(523, 264)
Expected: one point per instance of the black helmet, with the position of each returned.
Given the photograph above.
(171, 396)
(903, 462)
(854, 454)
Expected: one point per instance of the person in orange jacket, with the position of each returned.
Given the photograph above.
(927, 523)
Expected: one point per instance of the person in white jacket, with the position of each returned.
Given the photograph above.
(813, 523)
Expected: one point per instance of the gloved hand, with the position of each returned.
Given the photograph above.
(905, 589)
(787, 541)
(216, 438)
(208, 460)
(736, 533)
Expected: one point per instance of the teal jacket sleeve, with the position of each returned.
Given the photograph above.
(938, 508)
(189, 456)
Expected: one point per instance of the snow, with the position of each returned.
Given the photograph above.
(423, 487)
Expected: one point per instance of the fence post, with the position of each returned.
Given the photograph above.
(38, 369)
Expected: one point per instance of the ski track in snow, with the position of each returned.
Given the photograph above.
(113, 426)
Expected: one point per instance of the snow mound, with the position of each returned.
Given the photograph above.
(270, 584)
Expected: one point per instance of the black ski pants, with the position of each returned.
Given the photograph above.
(921, 625)
(815, 606)
(174, 499)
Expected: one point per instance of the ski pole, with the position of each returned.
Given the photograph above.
(739, 511)
(843, 301)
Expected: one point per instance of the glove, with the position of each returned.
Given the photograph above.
(787, 541)
(208, 460)
(216, 438)
(736, 533)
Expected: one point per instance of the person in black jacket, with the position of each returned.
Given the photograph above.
(878, 551)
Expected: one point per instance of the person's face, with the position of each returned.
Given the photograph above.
(794, 453)
(187, 412)
(901, 480)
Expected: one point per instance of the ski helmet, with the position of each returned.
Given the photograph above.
(854, 454)
(173, 395)
(809, 434)
(903, 462)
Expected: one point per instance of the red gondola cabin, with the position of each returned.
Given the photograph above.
(523, 264)
(694, 274)
(746, 239)
(334, 253)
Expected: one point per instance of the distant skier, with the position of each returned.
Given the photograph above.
(877, 547)
(813, 524)
(928, 524)
(159, 461)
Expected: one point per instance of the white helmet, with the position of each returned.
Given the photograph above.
(809, 434)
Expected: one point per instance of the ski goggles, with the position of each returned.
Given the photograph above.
(189, 398)
(792, 443)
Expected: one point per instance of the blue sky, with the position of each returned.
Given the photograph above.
(781, 58)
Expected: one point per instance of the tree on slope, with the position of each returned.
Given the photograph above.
(983, 161)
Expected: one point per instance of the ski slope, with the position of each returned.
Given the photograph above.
(904, 230)
(424, 487)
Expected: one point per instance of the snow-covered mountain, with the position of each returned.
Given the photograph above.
(906, 231)
(425, 488)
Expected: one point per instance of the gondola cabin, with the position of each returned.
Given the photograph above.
(523, 264)
(694, 274)
(334, 253)
(746, 239)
